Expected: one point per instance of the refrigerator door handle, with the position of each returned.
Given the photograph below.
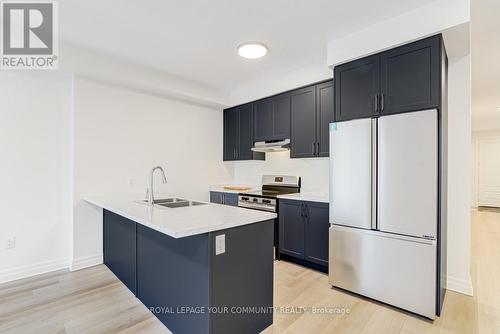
(374, 163)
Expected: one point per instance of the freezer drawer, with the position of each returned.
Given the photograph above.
(400, 271)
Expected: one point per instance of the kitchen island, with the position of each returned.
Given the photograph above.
(204, 268)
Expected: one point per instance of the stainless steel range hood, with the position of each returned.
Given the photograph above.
(271, 146)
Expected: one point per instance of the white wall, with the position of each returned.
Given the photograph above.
(424, 21)
(120, 134)
(459, 174)
(35, 192)
(313, 171)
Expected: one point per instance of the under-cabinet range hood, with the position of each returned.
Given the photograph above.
(271, 146)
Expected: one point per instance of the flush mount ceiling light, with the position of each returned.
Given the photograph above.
(252, 50)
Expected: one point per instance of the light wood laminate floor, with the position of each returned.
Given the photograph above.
(94, 301)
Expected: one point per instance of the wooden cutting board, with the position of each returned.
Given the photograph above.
(239, 188)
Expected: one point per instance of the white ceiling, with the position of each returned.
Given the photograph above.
(485, 62)
(197, 40)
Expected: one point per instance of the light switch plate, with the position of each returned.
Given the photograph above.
(220, 244)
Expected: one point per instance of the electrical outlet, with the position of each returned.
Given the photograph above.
(131, 181)
(11, 243)
(220, 244)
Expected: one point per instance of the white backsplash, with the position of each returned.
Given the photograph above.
(313, 171)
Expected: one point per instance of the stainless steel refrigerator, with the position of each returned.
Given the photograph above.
(384, 184)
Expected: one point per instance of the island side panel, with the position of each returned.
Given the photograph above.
(119, 248)
(242, 276)
(173, 279)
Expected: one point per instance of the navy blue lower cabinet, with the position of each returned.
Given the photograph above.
(216, 197)
(231, 199)
(119, 245)
(303, 229)
(291, 228)
(224, 198)
(317, 226)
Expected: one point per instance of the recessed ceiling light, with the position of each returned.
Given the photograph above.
(498, 108)
(252, 50)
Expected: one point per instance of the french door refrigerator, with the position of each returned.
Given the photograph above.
(384, 209)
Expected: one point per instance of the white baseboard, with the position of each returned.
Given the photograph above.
(460, 285)
(29, 270)
(86, 261)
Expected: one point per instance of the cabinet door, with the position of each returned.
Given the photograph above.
(231, 133)
(317, 226)
(357, 86)
(263, 118)
(303, 139)
(324, 116)
(410, 77)
(281, 117)
(231, 199)
(291, 228)
(244, 151)
(119, 245)
(216, 197)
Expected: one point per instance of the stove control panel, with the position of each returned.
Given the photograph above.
(257, 203)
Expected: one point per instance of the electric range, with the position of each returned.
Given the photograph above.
(272, 187)
(266, 198)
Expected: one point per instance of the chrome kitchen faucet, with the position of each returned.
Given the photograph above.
(150, 194)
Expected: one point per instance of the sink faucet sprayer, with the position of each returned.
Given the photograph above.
(150, 194)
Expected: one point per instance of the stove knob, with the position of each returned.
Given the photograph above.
(266, 201)
(255, 200)
(244, 198)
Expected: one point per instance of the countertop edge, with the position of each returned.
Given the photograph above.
(262, 216)
(305, 198)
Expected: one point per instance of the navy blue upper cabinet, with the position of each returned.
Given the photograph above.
(410, 77)
(403, 79)
(357, 86)
(324, 116)
(303, 140)
(244, 151)
(312, 112)
(231, 133)
(238, 134)
(272, 118)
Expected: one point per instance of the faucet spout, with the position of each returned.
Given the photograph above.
(151, 199)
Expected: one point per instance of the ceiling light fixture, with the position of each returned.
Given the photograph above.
(252, 50)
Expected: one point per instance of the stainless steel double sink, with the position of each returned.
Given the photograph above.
(173, 202)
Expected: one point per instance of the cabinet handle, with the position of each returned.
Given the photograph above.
(382, 102)
(302, 210)
(376, 103)
(313, 145)
(306, 207)
(317, 148)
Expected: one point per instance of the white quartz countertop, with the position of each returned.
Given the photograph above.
(307, 196)
(220, 188)
(183, 221)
